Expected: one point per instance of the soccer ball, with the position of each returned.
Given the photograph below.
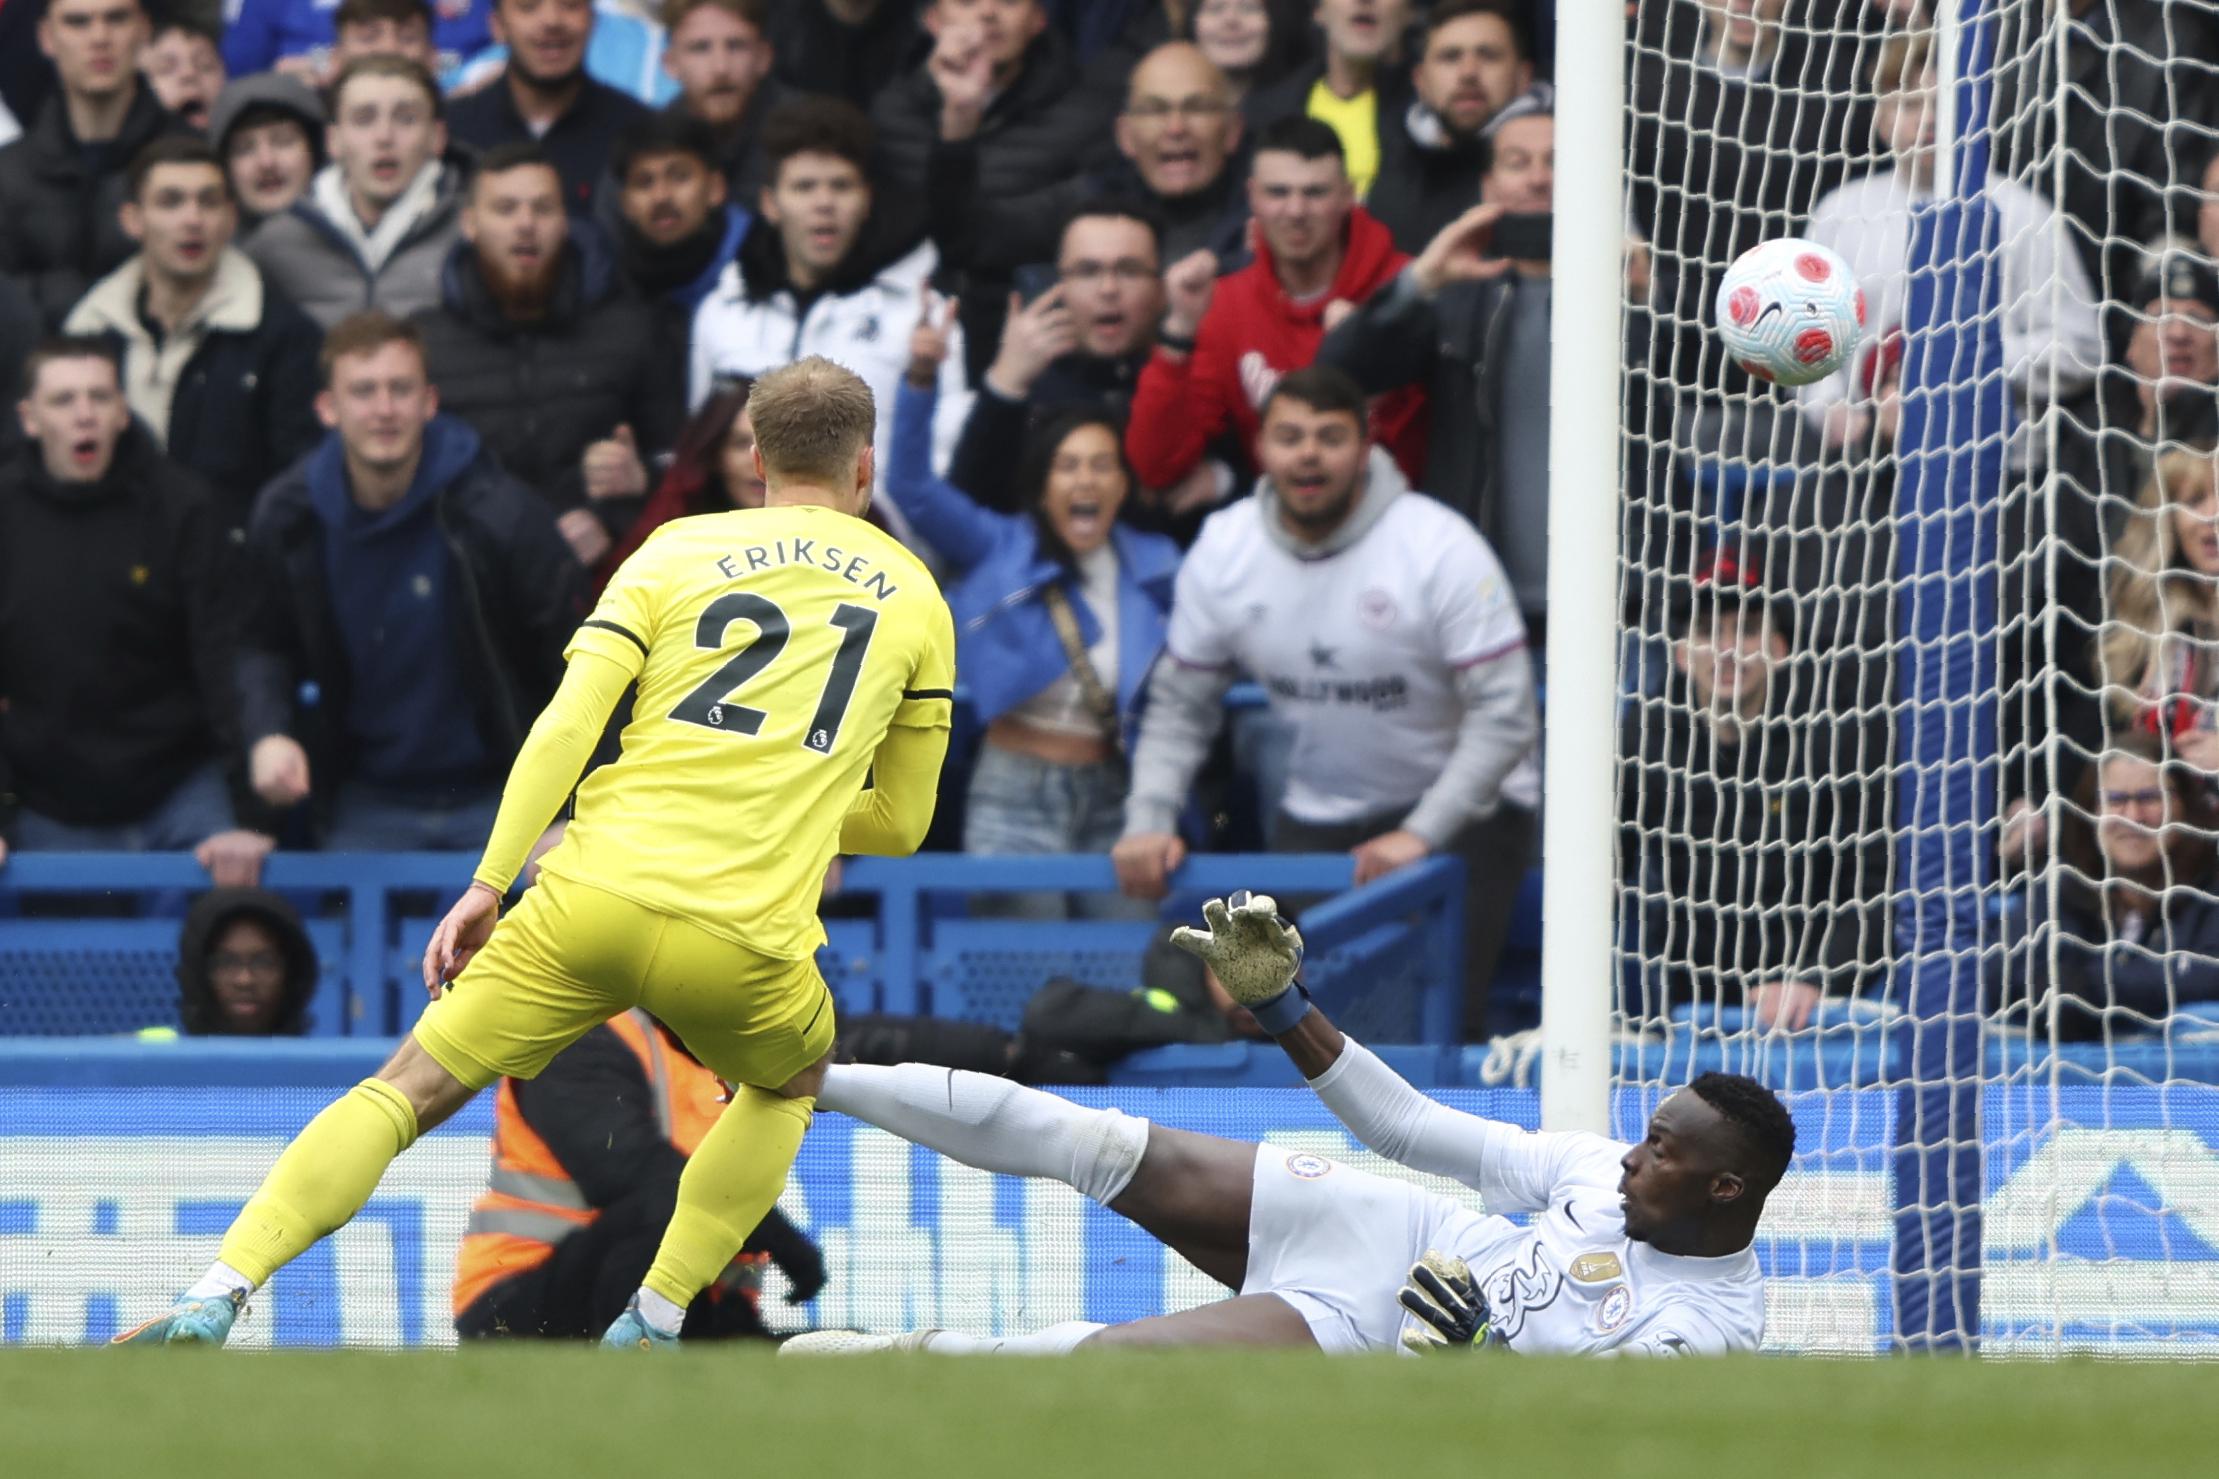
(1790, 311)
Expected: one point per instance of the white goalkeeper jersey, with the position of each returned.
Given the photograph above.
(1570, 1282)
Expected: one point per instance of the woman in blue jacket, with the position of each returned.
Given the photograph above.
(1059, 613)
(2137, 924)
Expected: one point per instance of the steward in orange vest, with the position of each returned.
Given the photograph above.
(586, 1160)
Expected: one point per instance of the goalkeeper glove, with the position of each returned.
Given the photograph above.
(1255, 954)
(1453, 1314)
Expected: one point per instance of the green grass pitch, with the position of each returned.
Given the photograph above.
(551, 1414)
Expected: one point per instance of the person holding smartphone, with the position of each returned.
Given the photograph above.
(1469, 320)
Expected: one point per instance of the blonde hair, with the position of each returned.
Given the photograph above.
(813, 420)
(2154, 596)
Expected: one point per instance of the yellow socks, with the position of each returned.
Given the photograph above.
(729, 1184)
(323, 1179)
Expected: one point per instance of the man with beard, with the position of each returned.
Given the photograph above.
(543, 94)
(269, 129)
(184, 68)
(534, 345)
(1388, 640)
(113, 638)
(1223, 345)
(1474, 72)
(817, 274)
(677, 228)
(218, 368)
(721, 61)
(62, 184)
(374, 229)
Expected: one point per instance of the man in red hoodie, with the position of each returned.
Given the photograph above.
(1224, 344)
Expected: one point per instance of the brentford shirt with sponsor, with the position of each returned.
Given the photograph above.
(1357, 648)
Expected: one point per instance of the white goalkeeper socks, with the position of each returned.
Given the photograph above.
(993, 1124)
(221, 1279)
(1056, 1340)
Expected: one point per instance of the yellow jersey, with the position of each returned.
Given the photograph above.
(1356, 120)
(772, 649)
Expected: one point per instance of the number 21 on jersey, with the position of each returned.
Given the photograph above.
(714, 704)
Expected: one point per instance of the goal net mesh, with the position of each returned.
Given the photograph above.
(1920, 664)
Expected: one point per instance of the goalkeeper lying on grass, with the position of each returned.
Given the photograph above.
(1642, 1248)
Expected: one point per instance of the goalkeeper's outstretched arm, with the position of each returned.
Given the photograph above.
(1256, 956)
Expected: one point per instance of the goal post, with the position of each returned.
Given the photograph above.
(1868, 653)
(1579, 837)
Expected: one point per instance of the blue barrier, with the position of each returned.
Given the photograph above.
(1388, 956)
(121, 1163)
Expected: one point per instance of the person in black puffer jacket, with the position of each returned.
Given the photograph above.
(245, 966)
(63, 181)
(536, 349)
(1003, 105)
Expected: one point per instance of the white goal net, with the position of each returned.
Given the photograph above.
(1919, 669)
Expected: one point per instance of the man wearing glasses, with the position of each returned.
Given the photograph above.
(1081, 341)
(1179, 136)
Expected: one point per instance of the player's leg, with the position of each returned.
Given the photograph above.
(1244, 1320)
(764, 1026)
(524, 998)
(320, 1181)
(1189, 1191)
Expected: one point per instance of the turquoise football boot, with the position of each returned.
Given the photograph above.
(631, 1332)
(189, 1322)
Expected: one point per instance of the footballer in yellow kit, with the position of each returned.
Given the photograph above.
(794, 671)
(775, 649)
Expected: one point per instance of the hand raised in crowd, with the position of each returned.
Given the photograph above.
(1188, 286)
(1205, 484)
(582, 530)
(277, 768)
(234, 858)
(1785, 1005)
(963, 69)
(1387, 852)
(1461, 251)
(2025, 831)
(1145, 862)
(1034, 336)
(2200, 748)
(928, 342)
(613, 468)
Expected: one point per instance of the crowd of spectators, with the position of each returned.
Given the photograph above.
(354, 347)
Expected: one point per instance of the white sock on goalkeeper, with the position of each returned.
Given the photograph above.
(993, 1124)
(1056, 1340)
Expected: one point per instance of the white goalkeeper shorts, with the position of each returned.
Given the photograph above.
(1336, 1243)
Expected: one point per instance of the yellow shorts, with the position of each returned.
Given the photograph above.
(571, 956)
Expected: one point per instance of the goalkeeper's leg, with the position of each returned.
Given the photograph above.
(1189, 1191)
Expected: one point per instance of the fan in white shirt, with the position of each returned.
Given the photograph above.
(1641, 1249)
(2051, 332)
